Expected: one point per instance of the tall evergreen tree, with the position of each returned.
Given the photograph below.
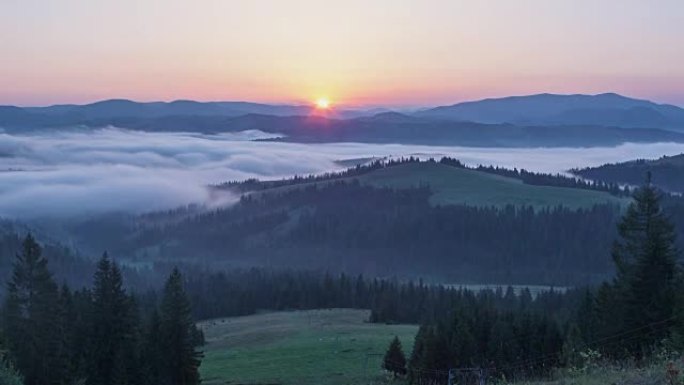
(178, 335)
(31, 328)
(646, 261)
(112, 345)
(395, 361)
(152, 350)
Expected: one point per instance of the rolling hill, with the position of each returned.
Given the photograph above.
(452, 185)
(407, 219)
(667, 172)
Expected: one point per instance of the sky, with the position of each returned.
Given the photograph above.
(354, 52)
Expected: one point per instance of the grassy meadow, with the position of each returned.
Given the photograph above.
(330, 346)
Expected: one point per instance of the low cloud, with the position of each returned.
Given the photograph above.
(87, 172)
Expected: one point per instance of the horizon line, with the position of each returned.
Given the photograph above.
(341, 105)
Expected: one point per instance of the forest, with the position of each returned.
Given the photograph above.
(354, 228)
(507, 334)
(103, 334)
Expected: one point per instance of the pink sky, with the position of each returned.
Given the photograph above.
(381, 52)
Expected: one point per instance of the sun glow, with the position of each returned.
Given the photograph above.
(323, 103)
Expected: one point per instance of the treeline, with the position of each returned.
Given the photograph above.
(668, 172)
(492, 328)
(541, 179)
(96, 336)
(633, 316)
(244, 292)
(355, 228)
(254, 184)
(527, 177)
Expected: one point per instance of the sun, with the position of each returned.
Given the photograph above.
(322, 103)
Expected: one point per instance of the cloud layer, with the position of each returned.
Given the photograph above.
(87, 172)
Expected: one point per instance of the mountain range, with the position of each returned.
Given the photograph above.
(535, 120)
(607, 109)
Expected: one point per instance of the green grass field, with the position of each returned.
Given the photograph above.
(332, 346)
(451, 185)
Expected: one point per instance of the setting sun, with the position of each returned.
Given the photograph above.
(323, 103)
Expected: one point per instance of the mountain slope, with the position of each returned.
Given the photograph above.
(427, 219)
(451, 185)
(604, 109)
(667, 172)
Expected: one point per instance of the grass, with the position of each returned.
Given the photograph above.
(451, 185)
(332, 346)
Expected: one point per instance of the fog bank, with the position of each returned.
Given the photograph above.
(88, 172)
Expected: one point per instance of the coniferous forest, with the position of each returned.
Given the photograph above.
(96, 335)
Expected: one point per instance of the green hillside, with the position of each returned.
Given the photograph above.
(454, 185)
(332, 346)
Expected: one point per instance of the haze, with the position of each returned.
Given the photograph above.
(354, 52)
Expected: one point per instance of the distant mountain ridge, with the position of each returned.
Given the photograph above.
(608, 109)
(519, 121)
(128, 108)
(124, 108)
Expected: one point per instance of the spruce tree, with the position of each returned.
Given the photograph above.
(395, 361)
(112, 345)
(178, 335)
(31, 328)
(152, 350)
(646, 261)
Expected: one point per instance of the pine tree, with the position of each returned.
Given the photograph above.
(463, 344)
(646, 259)
(112, 346)
(418, 355)
(395, 361)
(152, 351)
(30, 307)
(65, 357)
(587, 322)
(178, 335)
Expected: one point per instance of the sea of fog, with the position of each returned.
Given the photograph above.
(83, 172)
